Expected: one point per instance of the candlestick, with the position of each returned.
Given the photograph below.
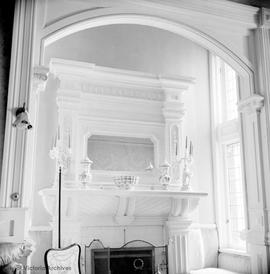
(69, 140)
(186, 147)
(190, 145)
(52, 143)
(58, 132)
(55, 140)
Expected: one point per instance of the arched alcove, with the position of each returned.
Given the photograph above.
(51, 32)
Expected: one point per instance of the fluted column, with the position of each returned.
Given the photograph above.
(177, 231)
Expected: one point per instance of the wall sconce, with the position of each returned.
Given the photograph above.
(22, 119)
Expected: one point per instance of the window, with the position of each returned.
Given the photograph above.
(229, 183)
(235, 203)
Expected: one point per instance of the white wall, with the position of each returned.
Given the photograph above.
(143, 49)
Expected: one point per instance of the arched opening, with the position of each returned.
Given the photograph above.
(61, 30)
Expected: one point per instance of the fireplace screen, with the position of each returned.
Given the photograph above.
(129, 260)
(123, 260)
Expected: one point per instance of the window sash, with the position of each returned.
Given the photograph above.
(233, 234)
(224, 132)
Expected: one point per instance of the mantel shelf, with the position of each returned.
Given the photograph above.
(127, 193)
(124, 206)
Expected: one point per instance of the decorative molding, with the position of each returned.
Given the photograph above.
(243, 14)
(182, 208)
(177, 233)
(13, 224)
(87, 87)
(115, 82)
(129, 93)
(264, 18)
(126, 200)
(40, 77)
(195, 33)
(251, 104)
(15, 158)
(228, 17)
(125, 211)
(41, 73)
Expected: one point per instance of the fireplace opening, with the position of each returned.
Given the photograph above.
(135, 257)
(123, 260)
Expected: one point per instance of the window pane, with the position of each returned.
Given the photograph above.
(236, 214)
(230, 85)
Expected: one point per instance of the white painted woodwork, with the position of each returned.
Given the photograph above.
(95, 100)
(110, 208)
(13, 225)
(221, 27)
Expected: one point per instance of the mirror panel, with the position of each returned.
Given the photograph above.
(115, 153)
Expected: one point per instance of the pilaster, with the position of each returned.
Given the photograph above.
(257, 120)
(18, 94)
(174, 113)
(251, 110)
(177, 233)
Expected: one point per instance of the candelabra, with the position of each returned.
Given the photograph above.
(62, 154)
(187, 173)
(187, 160)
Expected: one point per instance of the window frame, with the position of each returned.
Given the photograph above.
(219, 142)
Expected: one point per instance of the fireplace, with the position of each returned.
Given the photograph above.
(136, 256)
(123, 260)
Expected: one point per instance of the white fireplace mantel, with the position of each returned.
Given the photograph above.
(113, 207)
(123, 205)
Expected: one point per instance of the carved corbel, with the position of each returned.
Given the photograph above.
(183, 207)
(40, 77)
(251, 105)
(125, 211)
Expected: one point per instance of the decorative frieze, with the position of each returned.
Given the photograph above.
(103, 90)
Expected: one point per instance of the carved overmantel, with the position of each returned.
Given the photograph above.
(101, 101)
(106, 101)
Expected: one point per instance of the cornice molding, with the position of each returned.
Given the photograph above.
(243, 14)
(117, 82)
(251, 104)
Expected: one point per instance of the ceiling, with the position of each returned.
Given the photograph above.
(256, 3)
